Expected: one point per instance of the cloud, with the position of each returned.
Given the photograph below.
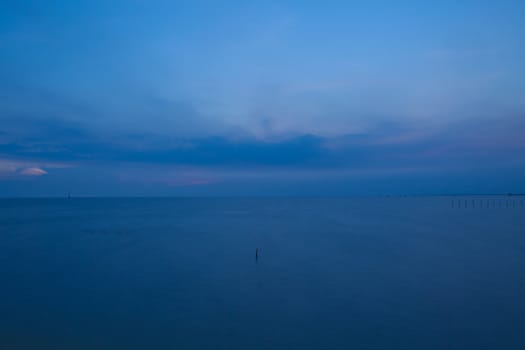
(33, 172)
(487, 141)
(182, 149)
(17, 168)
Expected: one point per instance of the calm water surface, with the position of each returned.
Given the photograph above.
(355, 273)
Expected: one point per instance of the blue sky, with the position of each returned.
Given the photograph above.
(270, 97)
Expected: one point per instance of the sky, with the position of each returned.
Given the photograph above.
(205, 98)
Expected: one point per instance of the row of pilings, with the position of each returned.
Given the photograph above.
(487, 203)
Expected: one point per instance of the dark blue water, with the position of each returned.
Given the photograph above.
(358, 273)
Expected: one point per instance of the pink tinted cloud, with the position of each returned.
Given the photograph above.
(33, 172)
(10, 168)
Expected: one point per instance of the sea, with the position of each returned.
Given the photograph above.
(436, 272)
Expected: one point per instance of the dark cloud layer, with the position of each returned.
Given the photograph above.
(480, 140)
(59, 141)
